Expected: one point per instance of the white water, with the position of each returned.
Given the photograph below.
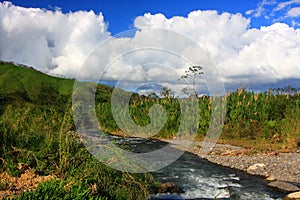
(203, 180)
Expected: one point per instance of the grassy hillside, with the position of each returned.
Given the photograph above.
(21, 78)
(37, 131)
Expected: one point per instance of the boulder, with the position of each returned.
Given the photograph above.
(294, 195)
(284, 186)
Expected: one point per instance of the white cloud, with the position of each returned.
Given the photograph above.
(261, 10)
(294, 12)
(212, 31)
(272, 55)
(59, 43)
(49, 40)
(241, 54)
(250, 12)
(285, 4)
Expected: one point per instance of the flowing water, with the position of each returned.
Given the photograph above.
(201, 179)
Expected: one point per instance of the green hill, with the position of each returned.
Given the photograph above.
(25, 82)
(15, 78)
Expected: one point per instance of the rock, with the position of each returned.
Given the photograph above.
(294, 195)
(170, 188)
(271, 178)
(284, 186)
(255, 167)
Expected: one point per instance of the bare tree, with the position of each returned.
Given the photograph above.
(192, 73)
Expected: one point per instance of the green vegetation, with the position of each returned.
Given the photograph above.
(57, 190)
(252, 120)
(36, 128)
(264, 118)
(23, 79)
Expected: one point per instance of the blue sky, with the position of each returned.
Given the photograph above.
(121, 14)
(252, 43)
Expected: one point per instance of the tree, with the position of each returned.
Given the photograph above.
(188, 91)
(167, 92)
(192, 73)
(152, 95)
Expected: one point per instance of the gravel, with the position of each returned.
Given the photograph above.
(283, 166)
(272, 166)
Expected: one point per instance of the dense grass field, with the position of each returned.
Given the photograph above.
(254, 120)
(37, 128)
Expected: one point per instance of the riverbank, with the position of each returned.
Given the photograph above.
(282, 170)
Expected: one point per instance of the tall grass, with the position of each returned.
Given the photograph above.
(266, 116)
(261, 116)
(43, 136)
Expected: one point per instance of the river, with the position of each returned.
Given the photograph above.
(201, 179)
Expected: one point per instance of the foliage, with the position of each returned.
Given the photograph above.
(256, 116)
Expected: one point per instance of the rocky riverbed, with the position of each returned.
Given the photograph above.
(281, 170)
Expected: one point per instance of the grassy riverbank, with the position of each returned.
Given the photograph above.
(37, 131)
(44, 139)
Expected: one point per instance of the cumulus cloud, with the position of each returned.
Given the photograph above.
(241, 54)
(59, 43)
(49, 40)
